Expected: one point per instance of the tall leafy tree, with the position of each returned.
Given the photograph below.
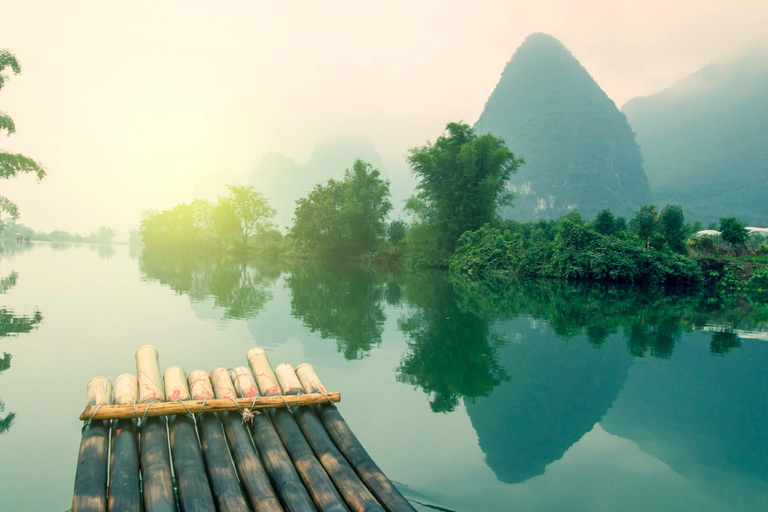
(605, 223)
(733, 231)
(672, 226)
(462, 182)
(343, 218)
(251, 210)
(645, 223)
(12, 164)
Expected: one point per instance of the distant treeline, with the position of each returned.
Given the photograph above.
(454, 223)
(104, 235)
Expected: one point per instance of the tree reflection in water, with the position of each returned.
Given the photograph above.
(344, 303)
(12, 325)
(240, 288)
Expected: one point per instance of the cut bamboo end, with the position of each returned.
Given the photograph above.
(245, 385)
(126, 389)
(287, 379)
(262, 371)
(222, 384)
(200, 385)
(175, 380)
(309, 379)
(111, 412)
(98, 392)
(148, 372)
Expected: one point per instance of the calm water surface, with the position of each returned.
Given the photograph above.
(521, 396)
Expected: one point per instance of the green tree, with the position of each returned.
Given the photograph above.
(672, 226)
(343, 218)
(12, 164)
(396, 232)
(106, 234)
(644, 223)
(367, 205)
(251, 211)
(605, 224)
(733, 231)
(462, 183)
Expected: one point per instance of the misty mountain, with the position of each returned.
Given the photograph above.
(579, 150)
(704, 139)
(284, 181)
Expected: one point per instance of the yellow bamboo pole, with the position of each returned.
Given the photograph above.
(111, 412)
(354, 492)
(276, 461)
(312, 473)
(221, 472)
(124, 483)
(373, 477)
(92, 463)
(191, 477)
(249, 467)
(156, 478)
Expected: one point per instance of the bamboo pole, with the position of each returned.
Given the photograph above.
(191, 478)
(114, 412)
(124, 484)
(224, 484)
(311, 472)
(337, 428)
(252, 475)
(91, 475)
(275, 457)
(354, 492)
(155, 461)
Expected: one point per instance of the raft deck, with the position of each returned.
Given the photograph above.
(239, 439)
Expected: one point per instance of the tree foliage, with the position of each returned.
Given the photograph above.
(343, 218)
(672, 227)
(733, 231)
(250, 211)
(13, 164)
(462, 178)
(238, 220)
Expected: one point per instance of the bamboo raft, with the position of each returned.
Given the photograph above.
(236, 440)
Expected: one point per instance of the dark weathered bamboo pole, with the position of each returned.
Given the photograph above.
(157, 483)
(124, 483)
(226, 488)
(92, 462)
(311, 472)
(127, 411)
(373, 477)
(252, 475)
(354, 492)
(191, 478)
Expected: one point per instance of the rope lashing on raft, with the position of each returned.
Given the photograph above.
(327, 397)
(88, 421)
(187, 408)
(247, 413)
(202, 406)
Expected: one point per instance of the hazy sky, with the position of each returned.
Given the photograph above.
(129, 104)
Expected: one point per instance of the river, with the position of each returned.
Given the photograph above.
(533, 395)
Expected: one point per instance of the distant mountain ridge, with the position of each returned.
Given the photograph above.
(705, 138)
(579, 150)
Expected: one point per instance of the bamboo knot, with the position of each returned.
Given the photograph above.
(247, 416)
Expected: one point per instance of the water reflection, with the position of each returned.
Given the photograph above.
(241, 289)
(451, 352)
(344, 303)
(535, 364)
(12, 325)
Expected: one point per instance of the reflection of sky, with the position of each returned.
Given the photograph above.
(97, 312)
